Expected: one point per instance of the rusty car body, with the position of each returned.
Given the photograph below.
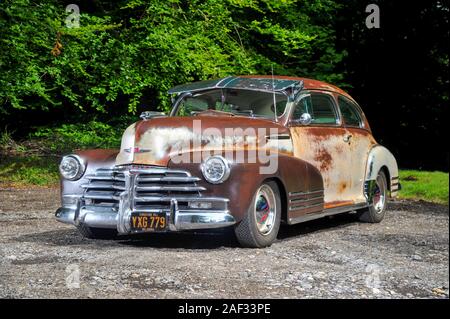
(327, 162)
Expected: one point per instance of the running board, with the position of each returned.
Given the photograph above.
(326, 212)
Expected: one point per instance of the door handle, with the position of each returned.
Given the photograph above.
(347, 138)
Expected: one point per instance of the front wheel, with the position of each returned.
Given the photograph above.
(259, 227)
(377, 209)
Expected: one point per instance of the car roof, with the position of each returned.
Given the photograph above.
(258, 83)
(308, 84)
(239, 82)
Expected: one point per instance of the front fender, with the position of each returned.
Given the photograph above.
(292, 175)
(94, 159)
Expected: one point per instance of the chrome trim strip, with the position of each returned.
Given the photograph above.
(305, 193)
(170, 188)
(187, 221)
(369, 187)
(180, 199)
(164, 210)
(305, 207)
(229, 78)
(173, 214)
(186, 179)
(93, 195)
(278, 137)
(126, 204)
(102, 186)
(343, 209)
(139, 199)
(133, 170)
(326, 212)
(302, 200)
(104, 177)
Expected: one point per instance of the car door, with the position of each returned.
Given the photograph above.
(360, 141)
(322, 143)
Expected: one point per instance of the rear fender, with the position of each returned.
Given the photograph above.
(381, 158)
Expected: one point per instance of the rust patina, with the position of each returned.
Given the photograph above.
(322, 167)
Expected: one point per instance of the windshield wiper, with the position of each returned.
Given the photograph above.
(248, 113)
(245, 112)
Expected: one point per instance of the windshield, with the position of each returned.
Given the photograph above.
(238, 102)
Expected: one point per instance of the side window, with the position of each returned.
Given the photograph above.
(319, 106)
(350, 112)
(303, 106)
(323, 111)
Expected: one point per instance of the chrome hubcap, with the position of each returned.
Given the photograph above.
(265, 209)
(379, 196)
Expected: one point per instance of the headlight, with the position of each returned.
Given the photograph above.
(72, 167)
(216, 169)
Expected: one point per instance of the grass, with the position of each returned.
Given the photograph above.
(428, 186)
(29, 171)
(34, 160)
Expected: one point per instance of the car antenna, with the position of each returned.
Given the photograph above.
(274, 98)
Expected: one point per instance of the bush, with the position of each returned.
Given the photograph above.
(126, 54)
(69, 137)
(28, 171)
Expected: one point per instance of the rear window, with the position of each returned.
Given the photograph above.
(350, 112)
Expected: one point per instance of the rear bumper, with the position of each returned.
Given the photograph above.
(109, 217)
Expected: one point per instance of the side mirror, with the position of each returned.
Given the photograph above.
(305, 119)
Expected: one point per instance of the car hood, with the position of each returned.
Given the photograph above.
(155, 141)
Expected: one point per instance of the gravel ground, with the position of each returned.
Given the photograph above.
(405, 256)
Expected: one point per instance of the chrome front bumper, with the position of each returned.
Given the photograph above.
(111, 196)
(109, 217)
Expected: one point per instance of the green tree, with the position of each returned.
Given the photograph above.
(127, 54)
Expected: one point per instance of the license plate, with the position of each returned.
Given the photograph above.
(148, 221)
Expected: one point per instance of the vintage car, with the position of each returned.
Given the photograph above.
(247, 152)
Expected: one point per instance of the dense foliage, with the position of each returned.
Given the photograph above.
(129, 53)
(125, 55)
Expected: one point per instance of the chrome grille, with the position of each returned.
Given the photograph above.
(104, 186)
(155, 188)
(150, 187)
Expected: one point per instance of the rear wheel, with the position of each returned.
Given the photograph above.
(375, 212)
(260, 225)
(96, 233)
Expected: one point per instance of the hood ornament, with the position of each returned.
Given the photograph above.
(136, 150)
(150, 114)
